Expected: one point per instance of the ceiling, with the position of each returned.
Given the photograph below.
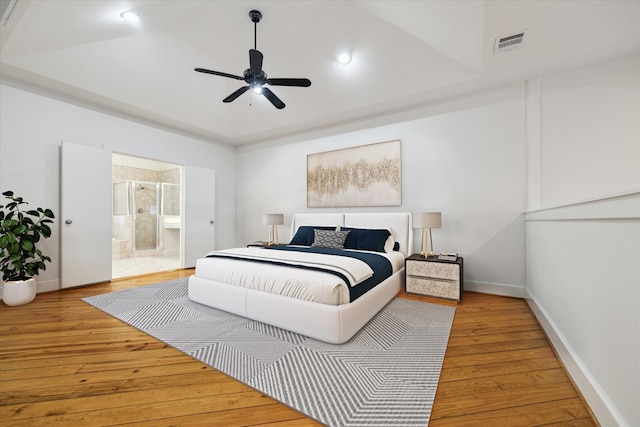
(405, 55)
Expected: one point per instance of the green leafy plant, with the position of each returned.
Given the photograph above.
(21, 230)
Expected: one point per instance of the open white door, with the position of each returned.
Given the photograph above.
(86, 215)
(198, 237)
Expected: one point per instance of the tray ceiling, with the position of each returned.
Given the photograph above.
(405, 54)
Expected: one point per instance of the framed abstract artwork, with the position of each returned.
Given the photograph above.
(368, 175)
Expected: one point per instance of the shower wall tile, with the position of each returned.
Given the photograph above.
(172, 176)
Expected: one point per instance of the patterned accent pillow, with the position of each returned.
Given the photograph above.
(329, 239)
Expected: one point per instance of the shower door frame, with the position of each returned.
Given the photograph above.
(134, 212)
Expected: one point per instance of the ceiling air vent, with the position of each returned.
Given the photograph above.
(504, 44)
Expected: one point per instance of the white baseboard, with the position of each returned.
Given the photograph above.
(501, 289)
(596, 398)
(47, 286)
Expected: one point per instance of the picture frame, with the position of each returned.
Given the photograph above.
(366, 175)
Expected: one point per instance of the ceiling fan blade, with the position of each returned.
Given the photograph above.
(236, 94)
(255, 62)
(272, 98)
(290, 82)
(218, 73)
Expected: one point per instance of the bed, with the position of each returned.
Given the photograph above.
(335, 317)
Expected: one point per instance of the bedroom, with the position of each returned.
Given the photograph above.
(482, 158)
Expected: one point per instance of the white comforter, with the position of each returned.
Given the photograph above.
(308, 285)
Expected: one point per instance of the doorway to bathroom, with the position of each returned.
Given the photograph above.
(146, 217)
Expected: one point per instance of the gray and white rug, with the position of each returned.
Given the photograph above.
(386, 375)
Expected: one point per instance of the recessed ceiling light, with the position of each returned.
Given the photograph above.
(344, 58)
(130, 15)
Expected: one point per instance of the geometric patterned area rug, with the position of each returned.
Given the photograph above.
(386, 375)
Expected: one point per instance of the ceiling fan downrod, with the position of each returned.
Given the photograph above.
(256, 16)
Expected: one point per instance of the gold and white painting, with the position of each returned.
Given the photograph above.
(368, 175)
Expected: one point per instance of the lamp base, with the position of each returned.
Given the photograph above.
(273, 235)
(426, 237)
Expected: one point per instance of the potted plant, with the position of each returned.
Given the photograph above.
(20, 259)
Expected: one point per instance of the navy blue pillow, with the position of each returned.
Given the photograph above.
(366, 239)
(305, 235)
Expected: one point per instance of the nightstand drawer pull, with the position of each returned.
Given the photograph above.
(434, 279)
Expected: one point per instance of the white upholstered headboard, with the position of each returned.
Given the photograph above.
(399, 223)
(327, 219)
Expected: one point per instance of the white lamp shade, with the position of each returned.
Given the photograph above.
(273, 219)
(427, 220)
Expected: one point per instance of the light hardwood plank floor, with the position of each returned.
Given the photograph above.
(63, 362)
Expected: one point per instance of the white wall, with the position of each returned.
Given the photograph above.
(465, 159)
(31, 132)
(590, 128)
(583, 248)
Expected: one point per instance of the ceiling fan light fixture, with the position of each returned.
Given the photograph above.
(130, 15)
(257, 89)
(344, 58)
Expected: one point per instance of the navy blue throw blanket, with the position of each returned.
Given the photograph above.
(380, 265)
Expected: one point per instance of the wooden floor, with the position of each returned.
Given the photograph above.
(63, 362)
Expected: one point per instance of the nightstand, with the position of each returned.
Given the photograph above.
(434, 277)
(259, 244)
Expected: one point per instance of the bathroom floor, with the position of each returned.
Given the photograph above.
(143, 265)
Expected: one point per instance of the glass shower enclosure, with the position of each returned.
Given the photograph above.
(140, 209)
(145, 208)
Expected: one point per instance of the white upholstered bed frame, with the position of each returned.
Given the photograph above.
(334, 324)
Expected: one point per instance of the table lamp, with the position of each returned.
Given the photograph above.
(426, 221)
(273, 220)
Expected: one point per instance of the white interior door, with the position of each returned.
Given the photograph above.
(198, 237)
(86, 215)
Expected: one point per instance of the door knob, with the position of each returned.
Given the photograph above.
(211, 221)
(68, 222)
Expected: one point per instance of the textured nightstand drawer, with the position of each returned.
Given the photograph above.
(437, 288)
(434, 277)
(437, 270)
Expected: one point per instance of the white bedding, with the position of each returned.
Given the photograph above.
(308, 285)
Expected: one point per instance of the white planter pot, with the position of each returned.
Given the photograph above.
(19, 292)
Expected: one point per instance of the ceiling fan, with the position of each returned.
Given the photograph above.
(255, 76)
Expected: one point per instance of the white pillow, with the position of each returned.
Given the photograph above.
(389, 244)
